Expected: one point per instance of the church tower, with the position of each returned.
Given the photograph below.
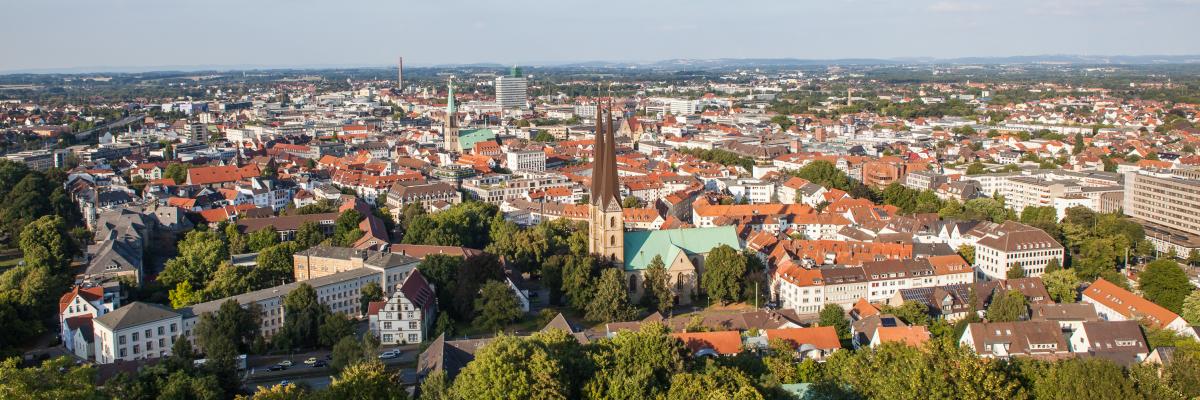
(450, 125)
(606, 222)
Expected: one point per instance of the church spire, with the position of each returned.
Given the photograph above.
(604, 166)
(451, 121)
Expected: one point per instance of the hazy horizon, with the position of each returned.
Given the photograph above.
(146, 35)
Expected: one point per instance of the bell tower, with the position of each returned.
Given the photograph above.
(606, 222)
(450, 126)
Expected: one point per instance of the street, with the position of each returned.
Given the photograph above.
(257, 376)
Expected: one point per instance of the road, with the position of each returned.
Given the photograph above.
(115, 124)
(258, 377)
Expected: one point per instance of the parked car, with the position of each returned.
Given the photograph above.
(310, 361)
(390, 354)
(285, 382)
(286, 363)
(277, 367)
(319, 364)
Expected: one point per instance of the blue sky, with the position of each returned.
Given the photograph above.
(140, 33)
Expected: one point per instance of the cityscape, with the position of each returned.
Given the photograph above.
(691, 221)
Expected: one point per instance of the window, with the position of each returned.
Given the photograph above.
(133, 336)
(387, 325)
(412, 325)
(412, 338)
(161, 343)
(160, 330)
(122, 352)
(121, 339)
(137, 349)
(149, 333)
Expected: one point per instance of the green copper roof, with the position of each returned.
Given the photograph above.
(450, 97)
(468, 137)
(642, 246)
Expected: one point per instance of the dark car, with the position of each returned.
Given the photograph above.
(277, 367)
(319, 364)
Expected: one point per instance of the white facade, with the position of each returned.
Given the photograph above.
(526, 160)
(511, 92)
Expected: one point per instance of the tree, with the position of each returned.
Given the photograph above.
(635, 364)
(1008, 307)
(346, 352)
(631, 202)
(57, 378)
(724, 270)
(496, 306)
(177, 172)
(200, 252)
(309, 234)
(780, 361)
(235, 238)
(976, 168)
(333, 328)
(1191, 307)
(366, 380)
(229, 280)
(940, 370)
(1053, 265)
(45, 242)
(1015, 271)
(184, 295)
(1062, 285)
(275, 265)
(1165, 283)
(369, 293)
(511, 368)
(656, 288)
(345, 228)
(833, 315)
(230, 323)
(968, 253)
(912, 312)
(302, 318)
(261, 239)
(441, 270)
(577, 281)
(472, 274)
(435, 386)
(1082, 378)
(714, 382)
(610, 302)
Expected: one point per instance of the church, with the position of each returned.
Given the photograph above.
(682, 250)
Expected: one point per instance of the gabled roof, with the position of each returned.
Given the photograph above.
(417, 290)
(910, 335)
(821, 337)
(642, 246)
(1129, 305)
(722, 342)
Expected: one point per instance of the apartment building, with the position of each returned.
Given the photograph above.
(1016, 339)
(1014, 243)
(1029, 191)
(497, 188)
(1116, 304)
(429, 194)
(137, 331)
(323, 260)
(1166, 203)
(807, 288)
(526, 160)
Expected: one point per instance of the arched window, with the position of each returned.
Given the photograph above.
(612, 240)
(612, 222)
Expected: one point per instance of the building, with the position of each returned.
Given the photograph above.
(77, 308)
(40, 160)
(450, 124)
(1041, 339)
(1012, 244)
(1116, 304)
(1119, 341)
(1166, 203)
(323, 260)
(512, 91)
(606, 226)
(408, 315)
(137, 331)
(430, 194)
(526, 160)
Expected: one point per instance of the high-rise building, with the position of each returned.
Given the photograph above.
(512, 91)
(606, 231)
(400, 75)
(1166, 203)
(450, 126)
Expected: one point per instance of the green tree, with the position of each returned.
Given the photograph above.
(724, 270)
(1015, 271)
(275, 266)
(309, 234)
(57, 378)
(229, 280)
(184, 295)
(968, 253)
(45, 242)
(940, 370)
(635, 364)
(496, 306)
(1165, 283)
(261, 239)
(473, 273)
(367, 380)
(200, 252)
(1191, 307)
(369, 293)
(441, 270)
(302, 318)
(232, 324)
(177, 172)
(713, 382)
(345, 228)
(511, 368)
(656, 287)
(578, 284)
(1062, 285)
(1008, 307)
(435, 386)
(833, 315)
(1053, 265)
(346, 352)
(1082, 378)
(333, 328)
(912, 312)
(235, 238)
(610, 302)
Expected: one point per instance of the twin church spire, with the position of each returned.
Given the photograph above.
(605, 193)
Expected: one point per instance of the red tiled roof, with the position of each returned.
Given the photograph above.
(723, 342)
(821, 337)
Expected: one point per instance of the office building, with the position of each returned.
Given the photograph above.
(512, 91)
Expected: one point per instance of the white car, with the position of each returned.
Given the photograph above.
(390, 354)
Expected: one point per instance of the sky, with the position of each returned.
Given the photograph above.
(83, 34)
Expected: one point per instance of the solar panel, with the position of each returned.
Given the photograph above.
(888, 322)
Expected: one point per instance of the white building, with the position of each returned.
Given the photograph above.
(77, 308)
(512, 91)
(526, 160)
(1116, 304)
(135, 332)
(1015, 243)
(408, 315)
